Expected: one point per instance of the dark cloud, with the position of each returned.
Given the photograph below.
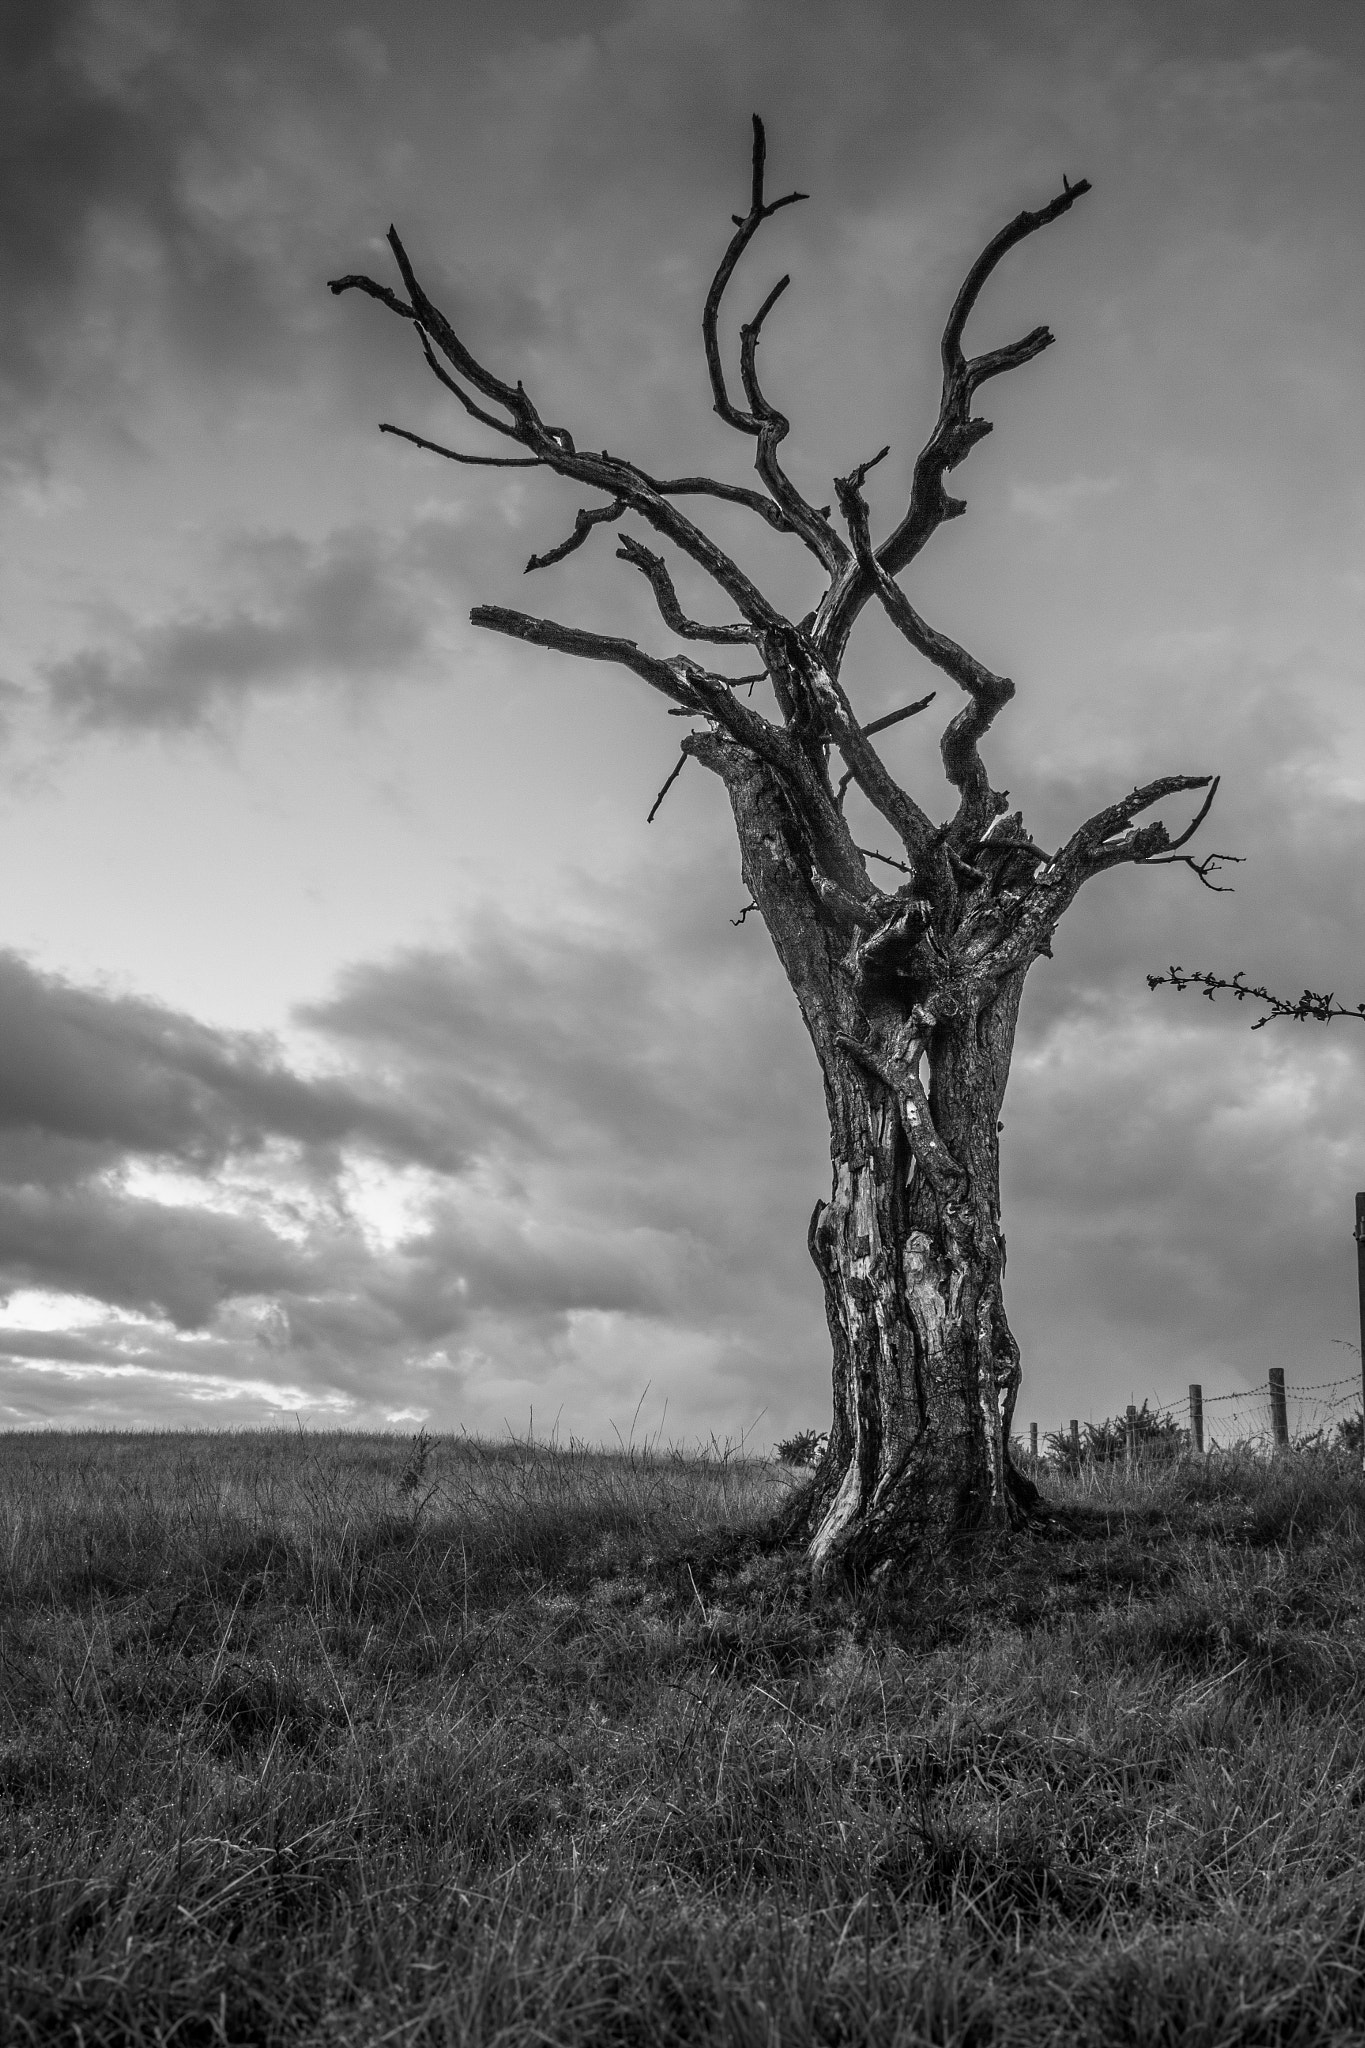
(602, 1137)
(606, 1072)
(98, 116)
(615, 1127)
(339, 610)
(181, 1264)
(169, 179)
(567, 1100)
(1182, 1197)
(89, 1079)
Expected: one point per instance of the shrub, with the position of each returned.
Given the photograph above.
(805, 1448)
(1106, 1443)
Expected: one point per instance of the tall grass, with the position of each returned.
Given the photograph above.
(354, 1740)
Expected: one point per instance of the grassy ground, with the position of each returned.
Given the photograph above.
(300, 1743)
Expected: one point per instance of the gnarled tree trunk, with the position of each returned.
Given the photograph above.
(909, 1247)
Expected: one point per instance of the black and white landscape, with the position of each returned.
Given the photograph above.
(364, 1053)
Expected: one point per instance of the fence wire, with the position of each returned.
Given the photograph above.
(1240, 1419)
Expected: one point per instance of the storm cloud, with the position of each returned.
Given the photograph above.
(339, 611)
(549, 1142)
(448, 1088)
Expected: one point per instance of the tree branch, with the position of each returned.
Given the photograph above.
(454, 454)
(732, 494)
(355, 281)
(899, 1078)
(912, 825)
(554, 446)
(655, 569)
(430, 316)
(692, 687)
(955, 431)
(880, 725)
(745, 230)
(443, 376)
(660, 675)
(1209, 865)
(1111, 836)
(1211, 862)
(1321, 1009)
(962, 761)
(870, 853)
(998, 948)
(774, 426)
(895, 717)
(654, 807)
(586, 519)
(768, 426)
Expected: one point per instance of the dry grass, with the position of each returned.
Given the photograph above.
(328, 1740)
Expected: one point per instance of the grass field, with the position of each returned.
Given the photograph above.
(315, 1739)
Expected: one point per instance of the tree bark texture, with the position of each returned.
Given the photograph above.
(910, 996)
(909, 1248)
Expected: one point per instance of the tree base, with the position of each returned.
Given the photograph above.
(912, 1527)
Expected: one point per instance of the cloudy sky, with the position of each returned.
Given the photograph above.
(364, 1054)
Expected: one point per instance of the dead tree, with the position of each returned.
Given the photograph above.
(910, 994)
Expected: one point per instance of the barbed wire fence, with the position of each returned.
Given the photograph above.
(1275, 1418)
(1312, 1412)
(1278, 1416)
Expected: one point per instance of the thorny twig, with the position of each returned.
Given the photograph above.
(1320, 1008)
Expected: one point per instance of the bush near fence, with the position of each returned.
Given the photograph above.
(1314, 1415)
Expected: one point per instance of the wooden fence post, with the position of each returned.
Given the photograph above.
(1360, 1275)
(1033, 1446)
(1076, 1443)
(1279, 1413)
(1197, 1416)
(1132, 1448)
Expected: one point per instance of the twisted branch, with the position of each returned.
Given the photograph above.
(899, 1078)
(763, 421)
(554, 448)
(746, 227)
(988, 692)
(596, 515)
(655, 569)
(955, 432)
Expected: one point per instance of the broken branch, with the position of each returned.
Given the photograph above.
(454, 454)
(682, 763)
(870, 853)
(583, 525)
(660, 675)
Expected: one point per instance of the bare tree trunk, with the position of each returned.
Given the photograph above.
(926, 1368)
(908, 1247)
